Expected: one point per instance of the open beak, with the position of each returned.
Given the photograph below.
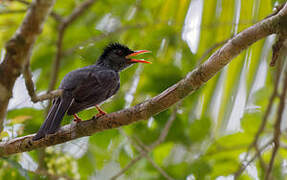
(137, 53)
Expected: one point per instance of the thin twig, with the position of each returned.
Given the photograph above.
(244, 166)
(53, 14)
(163, 173)
(78, 11)
(132, 141)
(31, 88)
(132, 162)
(49, 95)
(41, 159)
(152, 146)
(276, 48)
(277, 127)
(261, 161)
(267, 112)
(190, 83)
(144, 151)
(56, 62)
(254, 143)
(166, 128)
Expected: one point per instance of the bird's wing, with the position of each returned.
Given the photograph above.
(85, 87)
(95, 88)
(97, 83)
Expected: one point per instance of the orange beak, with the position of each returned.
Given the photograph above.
(137, 53)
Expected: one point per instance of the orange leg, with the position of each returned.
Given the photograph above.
(101, 112)
(77, 118)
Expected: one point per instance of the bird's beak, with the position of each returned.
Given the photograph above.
(137, 53)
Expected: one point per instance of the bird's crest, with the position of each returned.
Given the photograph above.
(113, 46)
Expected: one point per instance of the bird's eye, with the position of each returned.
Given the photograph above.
(119, 52)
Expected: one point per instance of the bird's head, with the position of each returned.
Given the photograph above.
(118, 57)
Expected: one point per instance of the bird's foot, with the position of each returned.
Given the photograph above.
(101, 112)
(77, 118)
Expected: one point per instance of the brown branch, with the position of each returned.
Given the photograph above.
(161, 102)
(18, 50)
(31, 88)
(267, 112)
(277, 48)
(244, 166)
(78, 11)
(64, 23)
(277, 127)
(52, 94)
(254, 143)
(41, 159)
(48, 95)
(261, 160)
(56, 16)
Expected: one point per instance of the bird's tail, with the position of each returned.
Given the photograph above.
(53, 120)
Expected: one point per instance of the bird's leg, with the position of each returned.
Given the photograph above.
(77, 118)
(101, 112)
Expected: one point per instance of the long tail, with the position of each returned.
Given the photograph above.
(53, 120)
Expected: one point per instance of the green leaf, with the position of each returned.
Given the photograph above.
(199, 129)
(3, 134)
(161, 152)
(200, 169)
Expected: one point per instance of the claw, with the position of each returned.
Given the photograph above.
(101, 112)
(77, 118)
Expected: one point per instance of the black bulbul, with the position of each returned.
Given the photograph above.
(89, 86)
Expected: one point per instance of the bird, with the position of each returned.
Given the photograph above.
(89, 86)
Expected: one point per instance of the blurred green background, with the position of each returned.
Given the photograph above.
(212, 127)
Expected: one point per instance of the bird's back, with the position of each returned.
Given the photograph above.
(90, 86)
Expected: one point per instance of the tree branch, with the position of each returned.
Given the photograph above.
(18, 50)
(62, 27)
(161, 102)
(31, 88)
(274, 94)
(253, 158)
(78, 11)
(277, 125)
(254, 143)
(56, 16)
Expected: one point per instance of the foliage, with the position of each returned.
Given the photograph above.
(213, 127)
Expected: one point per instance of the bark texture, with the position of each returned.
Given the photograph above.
(276, 23)
(18, 50)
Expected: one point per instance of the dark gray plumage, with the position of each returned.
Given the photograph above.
(88, 86)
